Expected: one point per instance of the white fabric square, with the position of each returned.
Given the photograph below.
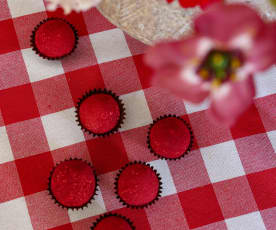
(251, 221)
(222, 161)
(22, 7)
(62, 129)
(96, 207)
(266, 82)
(167, 181)
(192, 108)
(272, 137)
(5, 150)
(137, 110)
(110, 45)
(14, 215)
(39, 68)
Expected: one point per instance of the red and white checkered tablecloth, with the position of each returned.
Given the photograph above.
(228, 181)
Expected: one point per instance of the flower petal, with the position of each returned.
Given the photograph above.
(223, 22)
(189, 88)
(263, 55)
(173, 52)
(231, 100)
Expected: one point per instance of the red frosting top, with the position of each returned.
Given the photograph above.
(73, 183)
(170, 137)
(138, 185)
(113, 222)
(55, 38)
(99, 113)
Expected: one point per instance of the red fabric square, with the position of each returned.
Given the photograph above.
(24, 26)
(96, 22)
(135, 144)
(256, 153)
(166, 213)
(44, 212)
(18, 104)
(107, 154)
(83, 56)
(138, 217)
(121, 76)
(267, 110)
(76, 19)
(136, 47)
(27, 138)
(34, 172)
(4, 10)
(83, 80)
(235, 197)
(206, 132)
(200, 206)
(10, 186)
(12, 75)
(145, 72)
(263, 186)
(1, 119)
(8, 38)
(167, 102)
(248, 124)
(63, 227)
(78, 150)
(52, 95)
(190, 172)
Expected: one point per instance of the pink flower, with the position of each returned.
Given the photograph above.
(230, 44)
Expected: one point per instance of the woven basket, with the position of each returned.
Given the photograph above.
(153, 20)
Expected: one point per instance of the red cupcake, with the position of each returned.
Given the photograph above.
(73, 183)
(170, 137)
(54, 38)
(138, 185)
(113, 221)
(100, 112)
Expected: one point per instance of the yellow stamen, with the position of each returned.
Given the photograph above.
(233, 77)
(235, 63)
(216, 83)
(204, 73)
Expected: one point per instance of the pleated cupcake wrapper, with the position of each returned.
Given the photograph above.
(69, 207)
(101, 91)
(190, 131)
(102, 217)
(138, 206)
(34, 47)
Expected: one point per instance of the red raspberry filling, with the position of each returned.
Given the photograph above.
(73, 183)
(55, 38)
(138, 185)
(113, 222)
(170, 137)
(99, 113)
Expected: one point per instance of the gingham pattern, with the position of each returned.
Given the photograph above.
(228, 181)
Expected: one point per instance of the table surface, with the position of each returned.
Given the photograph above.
(228, 181)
